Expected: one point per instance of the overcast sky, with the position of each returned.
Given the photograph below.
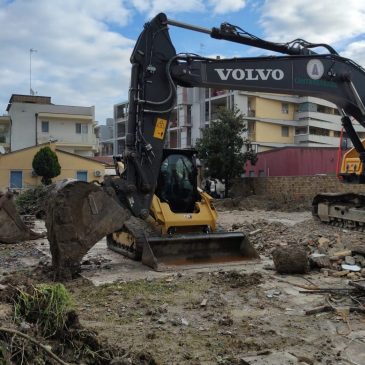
(83, 46)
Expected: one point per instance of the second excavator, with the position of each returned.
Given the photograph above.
(170, 220)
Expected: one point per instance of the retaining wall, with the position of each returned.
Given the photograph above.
(299, 189)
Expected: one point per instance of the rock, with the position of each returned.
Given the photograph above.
(272, 293)
(349, 260)
(290, 260)
(360, 260)
(319, 261)
(359, 249)
(204, 303)
(323, 244)
(339, 274)
(351, 267)
(121, 361)
(161, 320)
(342, 254)
(225, 321)
(184, 322)
(252, 233)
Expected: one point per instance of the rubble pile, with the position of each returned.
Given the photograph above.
(334, 251)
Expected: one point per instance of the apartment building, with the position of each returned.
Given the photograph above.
(272, 120)
(36, 120)
(105, 136)
(120, 126)
(5, 127)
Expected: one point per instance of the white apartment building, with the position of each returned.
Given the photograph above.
(35, 120)
(4, 134)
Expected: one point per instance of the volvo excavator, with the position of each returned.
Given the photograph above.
(159, 214)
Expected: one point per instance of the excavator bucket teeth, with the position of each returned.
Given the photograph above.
(161, 253)
(12, 228)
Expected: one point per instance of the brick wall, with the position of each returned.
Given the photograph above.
(299, 189)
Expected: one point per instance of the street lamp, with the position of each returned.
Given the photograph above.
(31, 50)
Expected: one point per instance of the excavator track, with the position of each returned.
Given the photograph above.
(129, 240)
(346, 210)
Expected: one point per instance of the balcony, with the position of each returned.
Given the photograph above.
(319, 117)
(322, 141)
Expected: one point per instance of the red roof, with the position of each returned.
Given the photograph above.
(107, 160)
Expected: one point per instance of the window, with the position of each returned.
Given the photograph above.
(284, 131)
(285, 108)
(251, 173)
(81, 175)
(16, 179)
(261, 173)
(45, 127)
(301, 130)
(81, 128)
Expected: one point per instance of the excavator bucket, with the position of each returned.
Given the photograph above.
(12, 228)
(161, 253)
(79, 214)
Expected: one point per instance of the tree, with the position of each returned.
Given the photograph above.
(45, 164)
(220, 147)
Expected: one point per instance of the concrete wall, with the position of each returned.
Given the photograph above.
(300, 189)
(266, 108)
(267, 132)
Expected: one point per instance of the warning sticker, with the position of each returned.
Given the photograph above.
(160, 128)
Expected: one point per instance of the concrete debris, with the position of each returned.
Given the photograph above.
(351, 267)
(327, 247)
(349, 260)
(273, 293)
(204, 303)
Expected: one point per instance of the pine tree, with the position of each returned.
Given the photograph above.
(45, 164)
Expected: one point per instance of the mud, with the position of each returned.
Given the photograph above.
(222, 314)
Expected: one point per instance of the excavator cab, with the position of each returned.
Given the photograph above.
(177, 182)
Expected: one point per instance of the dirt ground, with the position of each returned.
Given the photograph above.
(242, 313)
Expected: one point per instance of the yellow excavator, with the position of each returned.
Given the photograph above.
(153, 209)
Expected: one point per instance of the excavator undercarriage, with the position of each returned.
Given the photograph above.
(341, 209)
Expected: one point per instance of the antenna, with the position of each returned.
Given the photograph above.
(31, 50)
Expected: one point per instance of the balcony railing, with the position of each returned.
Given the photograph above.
(313, 138)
